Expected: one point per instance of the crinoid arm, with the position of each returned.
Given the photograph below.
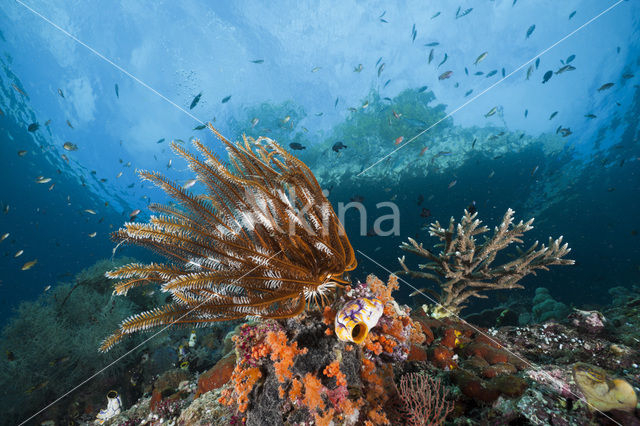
(261, 242)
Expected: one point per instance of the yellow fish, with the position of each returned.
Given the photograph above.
(29, 265)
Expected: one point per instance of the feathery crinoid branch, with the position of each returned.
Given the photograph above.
(262, 241)
(464, 268)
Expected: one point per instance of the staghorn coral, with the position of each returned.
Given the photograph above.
(463, 268)
(246, 248)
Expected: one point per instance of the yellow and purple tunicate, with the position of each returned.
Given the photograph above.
(357, 317)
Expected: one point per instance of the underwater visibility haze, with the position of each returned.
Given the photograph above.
(320, 212)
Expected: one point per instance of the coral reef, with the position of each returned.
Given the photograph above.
(546, 307)
(244, 249)
(463, 268)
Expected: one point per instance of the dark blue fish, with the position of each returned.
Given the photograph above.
(297, 146)
(468, 92)
(384, 21)
(258, 61)
(226, 99)
(436, 15)
(466, 71)
(432, 44)
(572, 14)
(422, 89)
(618, 49)
(553, 114)
(386, 83)
(378, 61)
(195, 101)
(413, 33)
(526, 113)
(537, 62)
(444, 60)
(531, 30)
(117, 91)
(570, 59)
(33, 127)
(547, 76)
(160, 141)
(335, 104)
(478, 73)
(200, 127)
(492, 73)
(338, 146)
(503, 73)
(514, 3)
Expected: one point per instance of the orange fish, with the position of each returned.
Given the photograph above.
(423, 150)
(399, 140)
(395, 114)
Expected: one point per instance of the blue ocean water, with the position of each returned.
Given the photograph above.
(120, 83)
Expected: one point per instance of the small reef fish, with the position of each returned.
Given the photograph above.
(160, 140)
(470, 91)
(422, 151)
(316, 69)
(452, 184)
(93, 234)
(89, 211)
(537, 63)
(572, 14)
(195, 101)
(22, 153)
(430, 57)
(547, 76)
(381, 68)
(70, 146)
(169, 164)
(627, 76)
(472, 207)
(226, 99)
(115, 86)
(30, 264)
(4, 236)
(445, 75)
(529, 71)
(553, 114)
(565, 68)
(526, 113)
(480, 58)
(530, 31)
(254, 122)
(297, 146)
(605, 87)
(60, 93)
(478, 73)
(42, 179)
(286, 119)
(466, 71)
(47, 288)
(491, 112)
(188, 184)
(46, 123)
(432, 44)
(134, 214)
(414, 33)
(33, 127)
(338, 146)
(200, 127)
(491, 174)
(436, 15)
(118, 175)
(257, 61)
(534, 170)
(18, 89)
(570, 59)
(399, 140)
(492, 73)
(69, 124)
(444, 60)
(18, 253)
(590, 116)
(503, 72)
(463, 13)
(359, 68)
